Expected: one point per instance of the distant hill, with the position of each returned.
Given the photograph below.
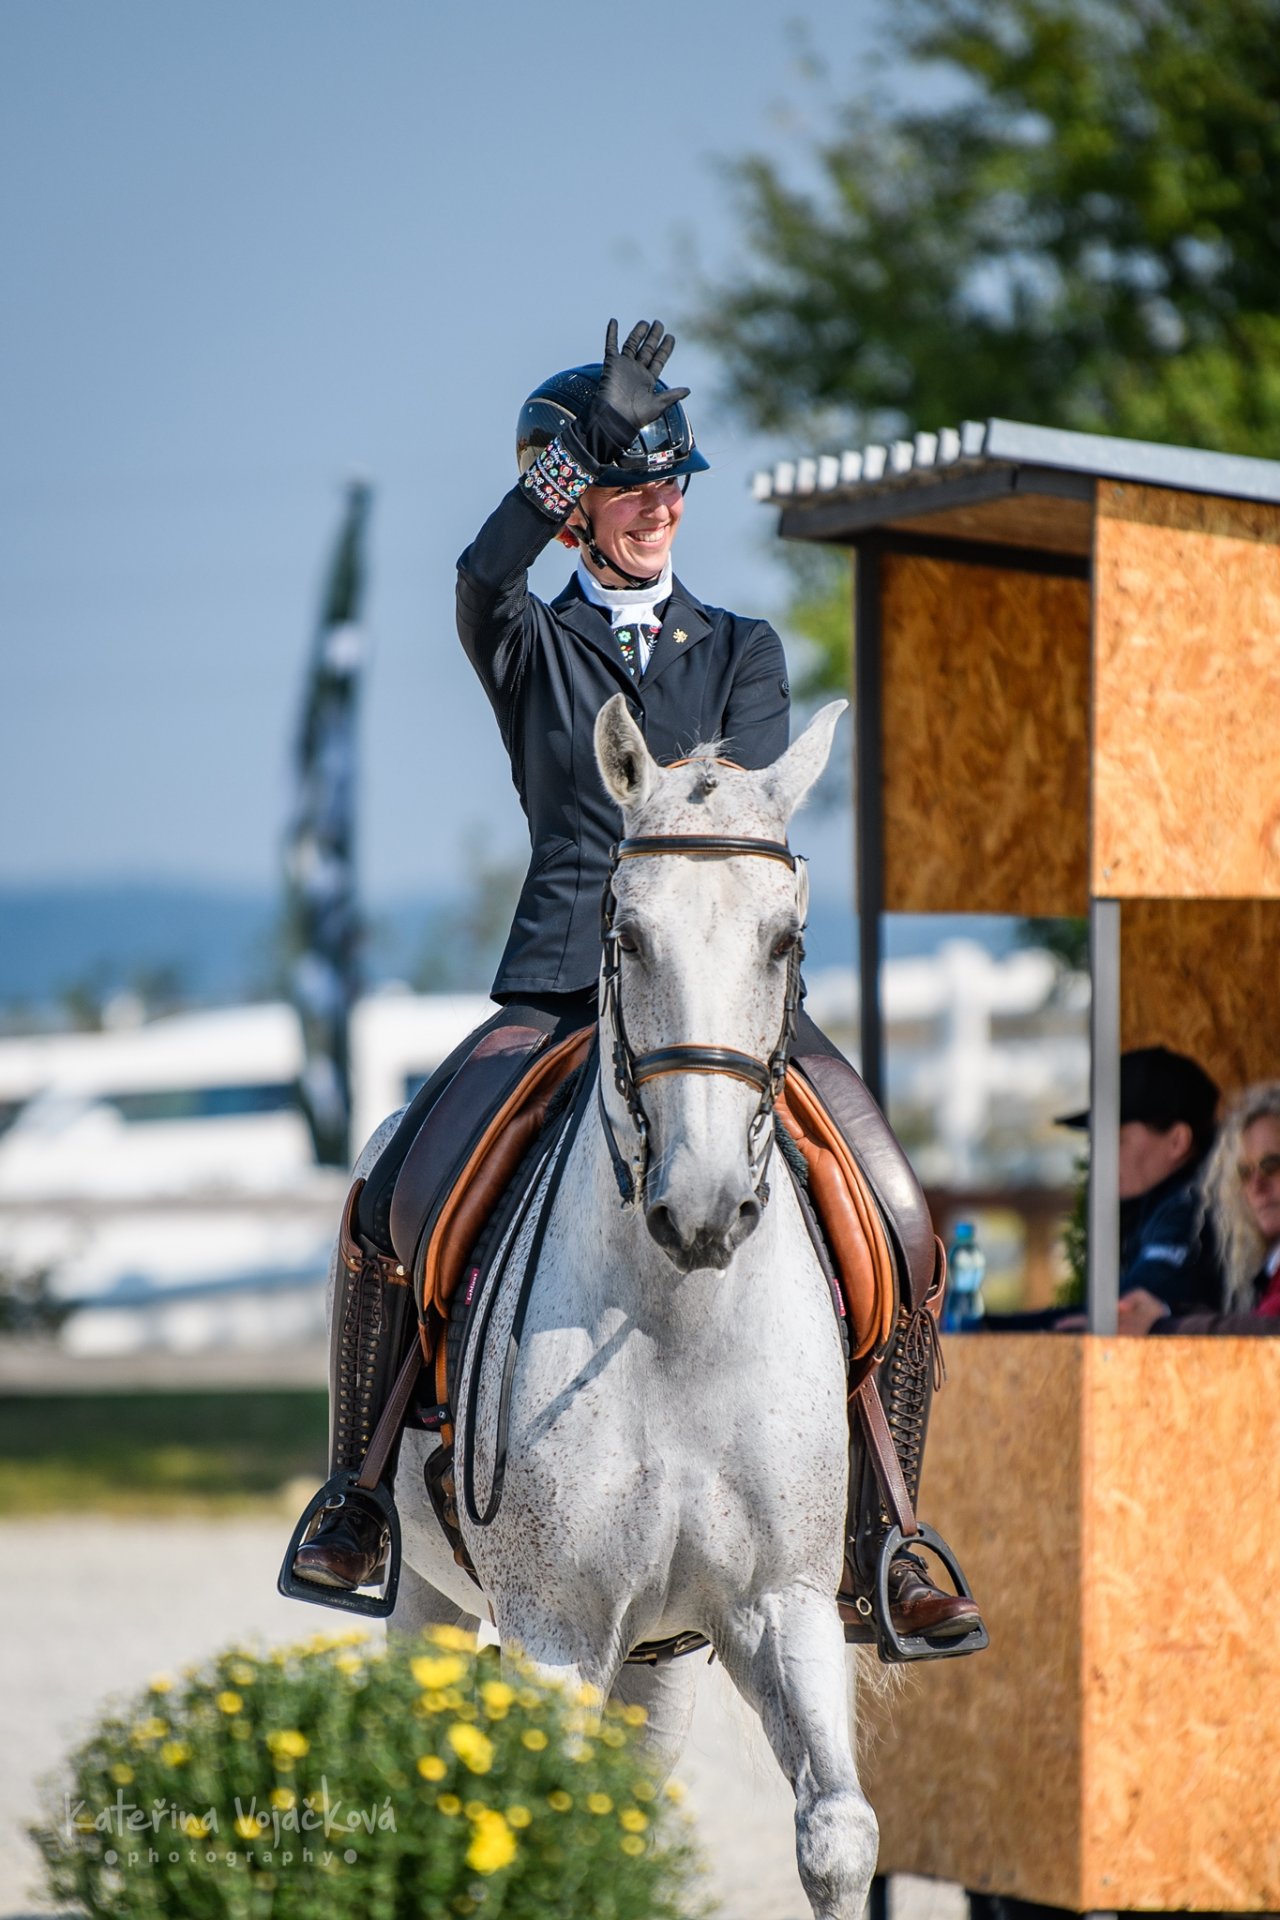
(205, 944)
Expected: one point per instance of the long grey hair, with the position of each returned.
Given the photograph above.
(1241, 1246)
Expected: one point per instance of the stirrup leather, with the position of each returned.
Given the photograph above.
(893, 1430)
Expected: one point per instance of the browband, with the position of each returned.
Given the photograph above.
(704, 843)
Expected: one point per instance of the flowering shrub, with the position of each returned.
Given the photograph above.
(356, 1781)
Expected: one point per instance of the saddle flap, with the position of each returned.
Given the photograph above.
(490, 1167)
(850, 1218)
(884, 1168)
(442, 1145)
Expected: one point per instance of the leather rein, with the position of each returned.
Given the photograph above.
(632, 1070)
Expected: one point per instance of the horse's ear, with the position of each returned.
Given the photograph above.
(626, 765)
(790, 777)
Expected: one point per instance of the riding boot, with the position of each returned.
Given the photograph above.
(918, 1609)
(374, 1322)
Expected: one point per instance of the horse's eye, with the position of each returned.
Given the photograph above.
(626, 940)
(784, 943)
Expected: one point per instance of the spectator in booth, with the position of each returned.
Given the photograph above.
(1168, 1254)
(1240, 1198)
(1167, 1133)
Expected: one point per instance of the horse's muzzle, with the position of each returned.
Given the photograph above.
(708, 1243)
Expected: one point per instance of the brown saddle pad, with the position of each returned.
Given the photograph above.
(849, 1218)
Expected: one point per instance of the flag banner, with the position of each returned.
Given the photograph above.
(323, 915)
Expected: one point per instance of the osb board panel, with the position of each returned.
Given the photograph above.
(1019, 520)
(1182, 1664)
(1201, 976)
(986, 677)
(1187, 684)
(977, 1777)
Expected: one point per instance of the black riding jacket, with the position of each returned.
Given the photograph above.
(547, 671)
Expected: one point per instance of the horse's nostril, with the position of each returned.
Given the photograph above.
(746, 1223)
(662, 1227)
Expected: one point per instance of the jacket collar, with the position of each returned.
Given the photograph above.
(684, 624)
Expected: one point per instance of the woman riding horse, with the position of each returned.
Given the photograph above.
(605, 454)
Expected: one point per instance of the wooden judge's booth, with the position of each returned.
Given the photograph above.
(1067, 682)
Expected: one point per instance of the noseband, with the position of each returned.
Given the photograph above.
(630, 1071)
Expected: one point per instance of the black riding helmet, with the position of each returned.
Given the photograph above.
(663, 448)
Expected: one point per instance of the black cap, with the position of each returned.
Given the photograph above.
(1160, 1087)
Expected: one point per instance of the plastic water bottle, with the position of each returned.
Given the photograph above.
(966, 1271)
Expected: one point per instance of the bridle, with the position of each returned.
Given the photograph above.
(631, 1071)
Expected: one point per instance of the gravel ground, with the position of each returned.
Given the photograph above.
(92, 1607)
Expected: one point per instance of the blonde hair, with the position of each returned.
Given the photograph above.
(1241, 1247)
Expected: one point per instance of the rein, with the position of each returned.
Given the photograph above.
(632, 1070)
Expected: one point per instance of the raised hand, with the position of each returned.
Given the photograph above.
(631, 374)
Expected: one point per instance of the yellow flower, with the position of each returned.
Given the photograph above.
(613, 1736)
(635, 1716)
(633, 1820)
(475, 1809)
(645, 1790)
(228, 1702)
(674, 1792)
(533, 1738)
(242, 1673)
(518, 1816)
(473, 1748)
(599, 1803)
(193, 1826)
(456, 1639)
(289, 1743)
(148, 1730)
(585, 1753)
(431, 1767)
(559, 1801)
(349, 1663)
(493, 1845)
(247, 1826)
(122, 1774)
(631, 1843)
(160, 1683)
(449, 1803)
(436, 1671)
(497, 1697)
(587, 1695)
(282, 1798)
(83, 1823)
(175, 1753)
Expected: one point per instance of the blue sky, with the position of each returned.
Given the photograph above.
(251, 248)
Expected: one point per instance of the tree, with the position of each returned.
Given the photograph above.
(1084, 233)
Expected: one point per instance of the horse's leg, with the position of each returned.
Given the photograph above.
(667, 1695)
(419, 1605)
(786, 1657)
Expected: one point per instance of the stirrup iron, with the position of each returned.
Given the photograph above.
(371, 1605)
(896, 1648)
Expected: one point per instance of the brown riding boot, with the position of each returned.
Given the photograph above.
(373, 1322)
(923, 1616)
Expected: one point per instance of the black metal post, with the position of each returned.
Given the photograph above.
(869, 802)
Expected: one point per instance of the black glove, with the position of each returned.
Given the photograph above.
(625, 401)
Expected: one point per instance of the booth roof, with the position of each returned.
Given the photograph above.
(986, 447)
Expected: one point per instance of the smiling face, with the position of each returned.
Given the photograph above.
(1259, 1167)
(634, 526)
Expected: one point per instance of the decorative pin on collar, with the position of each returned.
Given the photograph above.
(680, 635)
